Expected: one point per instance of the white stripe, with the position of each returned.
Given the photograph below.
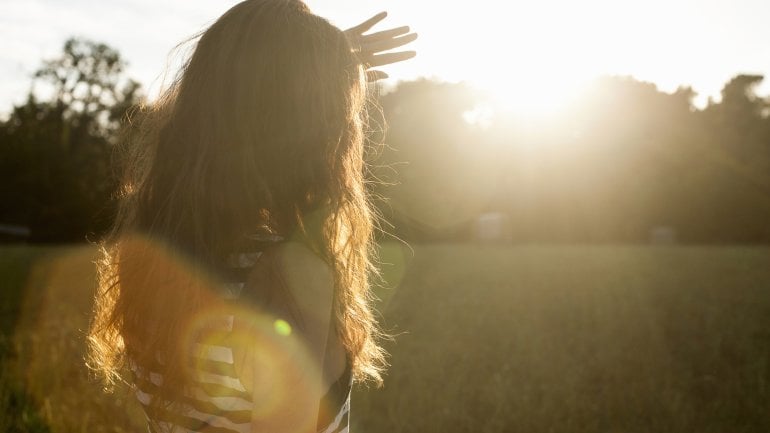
(338, 419)
(231, 295)
(244, 260)
(224, 403)
(156, 378)
(171, 428)
(218, 379)
(214, 353)
(264, 237)
(235, 286)
(143, 397)
(214, 420)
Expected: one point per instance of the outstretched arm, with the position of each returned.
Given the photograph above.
(372, 47)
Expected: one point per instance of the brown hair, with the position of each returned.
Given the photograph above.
(263, 130)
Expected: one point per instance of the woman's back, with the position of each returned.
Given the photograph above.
(231, 347)
(263, 130)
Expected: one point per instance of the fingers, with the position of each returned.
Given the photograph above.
(367, 45)
(374, 75)
(385, 34)
(368, 24)
(388, 58)
(387, 44)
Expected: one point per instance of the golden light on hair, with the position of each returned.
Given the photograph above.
(281, 156)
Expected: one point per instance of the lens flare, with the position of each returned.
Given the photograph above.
(273, 364)
(282, 327)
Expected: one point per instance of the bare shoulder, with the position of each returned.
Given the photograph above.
(307, 275)
(298, 270)
(310, 282)
(285, 377)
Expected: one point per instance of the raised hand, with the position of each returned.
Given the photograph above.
(371, 47)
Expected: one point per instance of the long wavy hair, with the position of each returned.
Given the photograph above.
(261, 131)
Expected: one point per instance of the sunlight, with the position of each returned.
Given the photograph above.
(530, 95)
(534, 56)
(533, 71)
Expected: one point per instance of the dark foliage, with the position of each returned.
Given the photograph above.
(55, 154)
(623, 161)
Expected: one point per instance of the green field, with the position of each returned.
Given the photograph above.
(488, 339)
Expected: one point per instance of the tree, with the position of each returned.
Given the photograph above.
(740, 120)
(434, 166)
(625, 159)
(55, 153)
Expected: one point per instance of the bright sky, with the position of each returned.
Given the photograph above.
(519, 49)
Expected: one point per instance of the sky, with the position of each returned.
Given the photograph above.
(531, 54)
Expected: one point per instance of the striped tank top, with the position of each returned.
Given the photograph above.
(218, 402)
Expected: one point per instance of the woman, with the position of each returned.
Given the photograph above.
(234, 286)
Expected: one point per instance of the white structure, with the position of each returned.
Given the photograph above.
(663, 235)
(491, 226)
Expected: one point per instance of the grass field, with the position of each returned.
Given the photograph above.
(489, 339)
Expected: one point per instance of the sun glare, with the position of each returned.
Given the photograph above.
(530, 96)
(531, 63)
(534, 57)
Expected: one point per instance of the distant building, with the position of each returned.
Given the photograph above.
(491, 227)
(13, 233)
(663, 235)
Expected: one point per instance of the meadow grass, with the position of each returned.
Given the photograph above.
(44, 384)
(488, 339)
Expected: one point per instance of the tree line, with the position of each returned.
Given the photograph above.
(56, 152)
(624, 161)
